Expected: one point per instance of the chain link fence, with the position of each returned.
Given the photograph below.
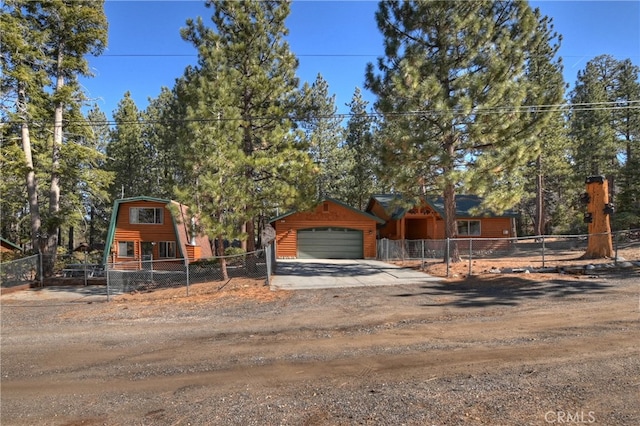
(541, 251)
(147, 275)
(20, 272)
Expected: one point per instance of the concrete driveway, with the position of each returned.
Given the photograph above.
(307, 274)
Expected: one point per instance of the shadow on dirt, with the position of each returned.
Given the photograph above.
(503, 291)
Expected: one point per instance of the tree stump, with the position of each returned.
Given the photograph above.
(598, 210)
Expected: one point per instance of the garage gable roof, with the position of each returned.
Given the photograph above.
(340, 203)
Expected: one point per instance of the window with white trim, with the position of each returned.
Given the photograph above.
(468, 227)
(125, 249)
(167, 249)
(146, 215)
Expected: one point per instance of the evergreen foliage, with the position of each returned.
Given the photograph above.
(44, 50)
(469, 99)
(245, 53)
(129, 156)
(452, 86)
(360, 142)
(605, 126)
(324, 136)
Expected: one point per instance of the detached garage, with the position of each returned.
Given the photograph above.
(331, 230)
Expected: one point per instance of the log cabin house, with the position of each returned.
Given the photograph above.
(147, 228)
(426, 221)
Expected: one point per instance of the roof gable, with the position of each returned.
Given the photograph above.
(465, 205)
(331, 200)
(180, 227)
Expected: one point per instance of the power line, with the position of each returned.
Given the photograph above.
(564, 107)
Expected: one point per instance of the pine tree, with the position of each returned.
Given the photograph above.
(360, 141)
(453, 94)
(129, 157)
(24, 79)
(550, 164)
(46, 53)
(324, 135)
(97, 179)
(627, 127)
(591, 120)
(159, 132)
(246, 54)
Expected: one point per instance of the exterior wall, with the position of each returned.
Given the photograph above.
(433, 228)
(425, 223)
(336, 216)
(125, 231)
(194, 252)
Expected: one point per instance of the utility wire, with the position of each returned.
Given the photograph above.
(565, 107)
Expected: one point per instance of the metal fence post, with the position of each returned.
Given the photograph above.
(447, 255)
(40, 272)
(470, 255)
(106, 272)
(543, 247)
(615, 241)
(267, 255)
(186, 268)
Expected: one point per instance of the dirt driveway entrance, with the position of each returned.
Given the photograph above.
(314, 274)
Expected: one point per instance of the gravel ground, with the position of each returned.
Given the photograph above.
(485, 350)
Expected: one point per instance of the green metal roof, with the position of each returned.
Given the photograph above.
(466, 206)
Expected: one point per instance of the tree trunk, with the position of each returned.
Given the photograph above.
(223, 260)
(54, 191)
(600, 244)
(449, 198)
(450, 228)
(539, 220)
(32, 189)
(30, 175)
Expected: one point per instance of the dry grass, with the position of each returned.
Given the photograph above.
(235, 290)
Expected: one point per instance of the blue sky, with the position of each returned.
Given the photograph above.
(334, 38)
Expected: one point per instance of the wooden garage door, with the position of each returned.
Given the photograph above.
(330, 243)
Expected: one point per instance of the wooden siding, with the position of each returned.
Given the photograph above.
(126, 231)
(337, 216)
(433, 228)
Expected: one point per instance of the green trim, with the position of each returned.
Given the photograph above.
(114, 216)
(340, 203)
(10, 244)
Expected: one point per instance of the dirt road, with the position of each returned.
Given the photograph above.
(482, 351)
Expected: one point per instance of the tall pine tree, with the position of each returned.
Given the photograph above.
(46, 54)
(453, 91)
(324, 135)
(360, 142)
(129, 156)
(246, 54)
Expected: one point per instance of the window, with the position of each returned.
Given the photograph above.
(167, 249)
(125, 249)
(146, 215)
(468, 227)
